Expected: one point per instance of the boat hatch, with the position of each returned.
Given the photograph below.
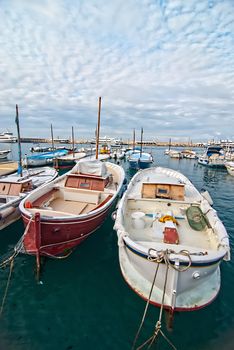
(88, 182)
(167, 191)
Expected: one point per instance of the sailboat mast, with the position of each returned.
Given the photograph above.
(141, 140)
(19, 143)
(134, 140)
(73, 142)
(98, 126)
(52, 136)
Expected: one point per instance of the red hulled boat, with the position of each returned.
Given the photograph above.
(60, 215)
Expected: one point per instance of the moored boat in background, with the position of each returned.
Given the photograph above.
(188, 154)
(7, 168)
(212, 157)
(140, 160)
(4, 153)
(230, 167)
(13, 188)
(46, 158)
(175, 154)
(69, 160)
(7, 137)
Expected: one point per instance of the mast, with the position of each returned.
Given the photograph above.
(98, 126)
(73, 143)
(52, 136)
(169, 144)
(134, 140)
(141, 140)
(19, 143)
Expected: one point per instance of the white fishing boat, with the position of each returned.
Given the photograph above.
(14, 188)
(188, 154)
(175, 154)
(4, 153)
(117, 154)
(170, 239)
(212, 157)
(230, 167)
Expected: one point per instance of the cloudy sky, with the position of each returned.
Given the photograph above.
(166, 65)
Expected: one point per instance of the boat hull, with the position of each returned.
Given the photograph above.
(230, 168)
(188, 295)
(211, 164)
(57, 236)
(9, 215)
(139, 164)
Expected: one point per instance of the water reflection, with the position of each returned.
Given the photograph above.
(212, 177)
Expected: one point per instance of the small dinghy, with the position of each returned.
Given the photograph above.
(171, 241)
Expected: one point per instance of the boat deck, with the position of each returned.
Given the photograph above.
(71, 207)
(154, 229)
(62, 201)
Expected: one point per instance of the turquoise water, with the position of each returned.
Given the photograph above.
(83, 301)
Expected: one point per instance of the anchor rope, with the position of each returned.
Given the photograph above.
(161, 255)
(146, 308)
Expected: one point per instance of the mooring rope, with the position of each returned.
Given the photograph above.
(161, 255)
(17, 248)
(146, 309)
(7, 286)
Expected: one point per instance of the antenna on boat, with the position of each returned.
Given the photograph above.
(19, 144)
(141, 140)
(73, 143)
(98, 126)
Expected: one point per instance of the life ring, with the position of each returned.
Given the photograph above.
(28, 205)
(168, 218)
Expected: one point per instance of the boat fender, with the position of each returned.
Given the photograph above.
(168, 218)
(114, 215)
(207, 196)
(6, 212)
(28, 205)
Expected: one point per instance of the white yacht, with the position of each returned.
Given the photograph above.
(7, 137)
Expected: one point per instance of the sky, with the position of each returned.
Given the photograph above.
(164, 65)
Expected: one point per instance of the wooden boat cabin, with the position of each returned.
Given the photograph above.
(13, 188)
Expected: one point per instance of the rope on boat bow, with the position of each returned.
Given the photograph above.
(164, 255)
(159, 257)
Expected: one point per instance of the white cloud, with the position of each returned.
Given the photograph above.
(162, 66)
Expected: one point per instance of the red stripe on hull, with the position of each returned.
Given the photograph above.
(57, 236)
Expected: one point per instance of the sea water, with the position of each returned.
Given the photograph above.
(83, 302)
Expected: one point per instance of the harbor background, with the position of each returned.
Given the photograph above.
(83, 302)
